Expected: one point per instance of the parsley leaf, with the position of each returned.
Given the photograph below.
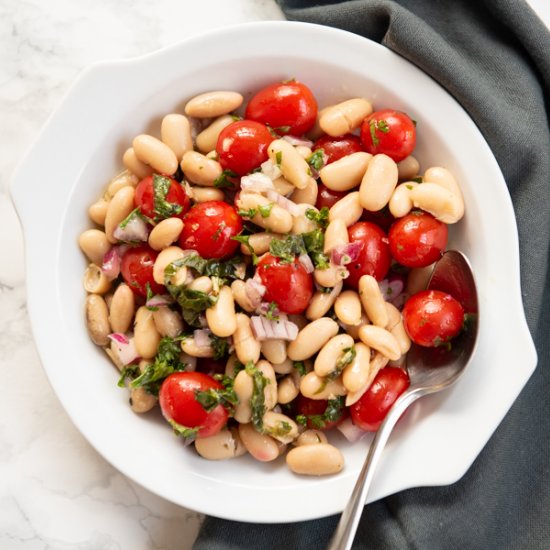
(257, 401)
(162, 207)
(188, 434)
(381, 125)
(332, 413)
(287, 250)
(314, 242)
(250, 213)
(320, 218)
(213, 397)
(278, 158)
(270, 313)
(300, 367)
(265, 210)
(245, 239)
(223, 181)
(219, 345)
(346, 357)
(316, 159)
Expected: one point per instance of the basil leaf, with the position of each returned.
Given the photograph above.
(314, 242)
(189, 434)
(213, 397)
(245, 239)
(219, 345)
(257, 401)
(287, 250)
(162, 207)
(320, 218)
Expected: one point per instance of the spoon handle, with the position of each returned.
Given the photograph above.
(347, 526)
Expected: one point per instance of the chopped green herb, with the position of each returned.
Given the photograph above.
(287, 250)
(409, 187)
(250, 213)
(223, 181)
(316, 160)
(219, 345)
(213, 397)
(162, 207)
(281, 429)
(346, 357)
(278, 158)
(230, 269)
(129, 371)
(218, 232)
(136, 212)
(257, 401)
(189, 434)
(245, 239)
(270, 314)
(314, 242)
(149, 294)
(333, 412)
(301, 419)
(418, 179)
(380, 125)
(300, 367)
(282, 129)
(320, 218)
(265, 210)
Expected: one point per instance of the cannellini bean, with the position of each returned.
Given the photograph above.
(378, 183)
(287, 389)
(168, 322)
(442, 177)
(373, 301)
(314, 386)
(95, 280)
(377, 363)
(141, 400)
(98, 211)
(345, 117)
(408, 168)
(345, 173)
(304, 151)
(163, 260)
(394, 316)
(231, 365)
(259, 242)
(165, 233)
(438, 201)
(221, 317)
(247, 347)
(315, 460)
(336, 234)
(356, 374)
(134, 165)
(122, 308)
(120, 206)
(189, 346)
(155, 153)
(238, 288)
(284, 367)
(353, 330)
(244, 389)
(270, 391)
(207, 139)
(201, 284)
(312, 338)
(347, 307)
(205, 194)
(294, 168)
(267, 214)
(94, 244)
(307, 195)
(400, 334)
(280, 427)
(274, 350)
(302, 224)
(348, 209)
(146, 335)
(262, 447)
(401, 202)
(213, 104)
(381, 340)
(326, 362)
(221, 446)
(119, 181)
(175, 131)
(97, 319)
(321, 302)
(200, 169)
(331, 276)
(284, 187)
(311, 437)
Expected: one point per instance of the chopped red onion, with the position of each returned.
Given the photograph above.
(298, 141)
(265, 307)
(283, 202)
(392, 290)
(255, 291)
(124, 348)
(345, 253)
(111, 263)
(271, 170)
(266, 329)
(305, 260)
(159, 300)
(350, 431)
(257, 183)
(136, 229)
(202, 338)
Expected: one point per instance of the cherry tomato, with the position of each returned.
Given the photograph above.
(209, 228)
(383, 218)
(178, 403)
(392, 133)
(432, 318)
(136, 267)
(374, 257)
(144, 198)
(242, 146)
(289, 285)
(337, 147)
(316, 408)
(288, 107)
(417, 239)
(369, 412)
(327, 197)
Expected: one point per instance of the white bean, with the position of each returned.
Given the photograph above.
(122, 308)
(347, 307)
(165, 233)
(247, 347)
(213, 104)
(221, 317)
(438, 201)
(95, 244)
(356, 374)
(207, 139)
(315, 460)
(348, 209)
(345, 117)
(175, 131)
(294, 168)
(378, 183)
(345, 173)
(120, 206)
(262, 447)
(381, 340)
(97, 319)
(146, 335)
(200, 169)
(156, 154)
(326, 362)
(312, 338)
(373, 301)
(224, 445)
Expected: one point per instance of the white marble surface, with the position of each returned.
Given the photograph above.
(56, 492)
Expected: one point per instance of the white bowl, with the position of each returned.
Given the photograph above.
(80, 149)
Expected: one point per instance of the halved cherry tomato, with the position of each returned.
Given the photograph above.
(337, 147)
(288, 284)
(144, 199)
(242, 146)
(209, 228)
(288, 107)
(136, 267)
(314, 410)
(178, 402)
(369, 412)
(432, 318)
(382, 218)
(390, 132)
(417, 239)
(374, 257)
(327, 197)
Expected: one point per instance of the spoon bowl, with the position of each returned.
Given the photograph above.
(430, 370)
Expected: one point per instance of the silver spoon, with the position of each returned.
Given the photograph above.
(430, 370)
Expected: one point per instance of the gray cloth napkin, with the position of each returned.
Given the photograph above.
(493, 56)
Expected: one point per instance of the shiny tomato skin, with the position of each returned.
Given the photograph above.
(178, 403)
(289, 285)
(310, 407)
(327, 197)
(337, 147)
(397, 138)
(432, 318)
(136, 267)
(287, 107)
(382, 218)
(417, 239)
(242, 146)
(209, 228)
(144, 197)
(374, 258)
(369, 412)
